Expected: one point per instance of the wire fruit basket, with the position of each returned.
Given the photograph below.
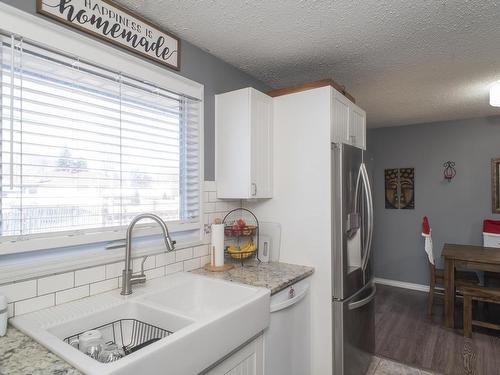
(241, 235)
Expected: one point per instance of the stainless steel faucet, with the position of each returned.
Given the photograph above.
(129, 278)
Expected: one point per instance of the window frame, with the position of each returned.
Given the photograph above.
(67, 41)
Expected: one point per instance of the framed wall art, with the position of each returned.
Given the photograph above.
(495, 186)
(399, 188)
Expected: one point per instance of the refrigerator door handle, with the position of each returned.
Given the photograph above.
(359, 179)
(364, 301)
(354, 218)
(369, 212)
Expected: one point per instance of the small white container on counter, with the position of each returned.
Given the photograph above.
(4, 313)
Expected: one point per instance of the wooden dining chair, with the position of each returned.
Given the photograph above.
(462, 279)
(478, 293)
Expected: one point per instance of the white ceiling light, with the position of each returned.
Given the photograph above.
(495, 94)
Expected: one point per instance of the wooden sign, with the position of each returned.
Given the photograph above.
(117, 25)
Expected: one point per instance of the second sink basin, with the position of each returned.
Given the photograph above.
(201, 297)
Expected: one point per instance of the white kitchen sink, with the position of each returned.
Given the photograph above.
(199, 297)
(148, 318)
(205, 319)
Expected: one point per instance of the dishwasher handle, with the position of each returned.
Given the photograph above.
(291, 301)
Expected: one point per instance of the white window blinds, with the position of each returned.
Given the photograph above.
(86, 148)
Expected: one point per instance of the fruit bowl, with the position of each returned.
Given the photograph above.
(241, 232)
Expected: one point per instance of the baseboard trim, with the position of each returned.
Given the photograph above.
(402, 284)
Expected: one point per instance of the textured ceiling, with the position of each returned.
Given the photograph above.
(406, 61)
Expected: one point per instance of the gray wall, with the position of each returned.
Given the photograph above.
(455, 210)
(200, 66)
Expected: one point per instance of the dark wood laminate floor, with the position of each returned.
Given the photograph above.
(405, 334)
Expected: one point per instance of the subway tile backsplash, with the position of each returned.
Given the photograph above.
(88, 275)
(72, 294)
(33, 304)
(183, 254)
(35, 294)
(55, 283)
(20, 290)
(103, 286)
(192, 264)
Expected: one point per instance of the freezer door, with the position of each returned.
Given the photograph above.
(352, 218)
(354, 332)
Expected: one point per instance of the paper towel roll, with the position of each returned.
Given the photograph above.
(218, 244)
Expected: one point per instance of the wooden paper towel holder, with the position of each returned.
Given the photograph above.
(212, 268)
(225, 267)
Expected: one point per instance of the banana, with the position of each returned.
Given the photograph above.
(233, 249)
(243, 251)
(248, 247)
(245, 246)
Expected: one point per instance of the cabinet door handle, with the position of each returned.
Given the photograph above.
(353, 139)
(254, 189)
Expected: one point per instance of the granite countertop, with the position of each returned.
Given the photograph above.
(20, 355)
(275, 276)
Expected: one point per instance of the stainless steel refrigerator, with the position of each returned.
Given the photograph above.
(352, 277)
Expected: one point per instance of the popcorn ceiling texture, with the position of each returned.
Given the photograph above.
(404, 61)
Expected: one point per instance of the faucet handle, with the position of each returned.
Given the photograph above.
(142, 264)
(170, 244)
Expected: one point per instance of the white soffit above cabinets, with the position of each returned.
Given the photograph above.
(404, 61)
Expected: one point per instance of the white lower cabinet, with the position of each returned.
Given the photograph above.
(249, 360)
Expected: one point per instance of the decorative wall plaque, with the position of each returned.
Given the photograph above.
(400, 188)
(391, 188)
(116, 25)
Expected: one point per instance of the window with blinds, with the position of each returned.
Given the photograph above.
(84, 148)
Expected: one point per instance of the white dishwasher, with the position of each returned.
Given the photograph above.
(287, 339)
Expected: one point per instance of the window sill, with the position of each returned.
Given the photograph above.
(39, 265)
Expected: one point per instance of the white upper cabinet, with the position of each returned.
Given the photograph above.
(348, 121)
(340, 117)
(357, 126)
(243, 144)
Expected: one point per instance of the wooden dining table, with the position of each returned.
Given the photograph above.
(469, 257)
